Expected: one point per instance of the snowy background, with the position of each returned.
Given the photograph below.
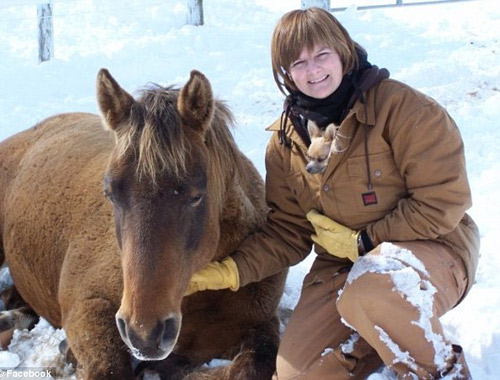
(449, 51)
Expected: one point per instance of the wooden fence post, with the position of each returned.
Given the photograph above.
(45, 32)
(325, 4)
(195, 12)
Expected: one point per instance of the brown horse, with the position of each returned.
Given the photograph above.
(181, 195)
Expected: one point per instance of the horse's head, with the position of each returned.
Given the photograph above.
(160, 180)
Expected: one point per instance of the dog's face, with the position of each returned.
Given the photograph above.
(320, 149)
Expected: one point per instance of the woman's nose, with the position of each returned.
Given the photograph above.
(313, 66)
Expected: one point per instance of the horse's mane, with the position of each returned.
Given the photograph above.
(158, 140)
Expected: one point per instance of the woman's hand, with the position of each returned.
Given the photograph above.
(337, 239)
(215, 276)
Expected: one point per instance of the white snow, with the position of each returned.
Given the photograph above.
(400, 356)
(420, 293)
(9, 359)
(38, 348)
(348, 346)
(390, 260)
(449, 51)
(327, 351)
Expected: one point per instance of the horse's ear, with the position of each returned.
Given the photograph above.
(114, 102)
(196, 102)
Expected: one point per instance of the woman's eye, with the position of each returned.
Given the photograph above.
(297, 65)
(323, 55)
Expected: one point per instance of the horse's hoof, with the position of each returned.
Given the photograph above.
(67, 353)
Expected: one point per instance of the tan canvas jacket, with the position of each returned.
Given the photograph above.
(417, 167)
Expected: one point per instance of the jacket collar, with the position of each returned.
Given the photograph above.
(359, 111)
(364, 107)
(290, 133)
(364, 115)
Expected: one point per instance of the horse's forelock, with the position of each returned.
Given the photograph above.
(155, 134)
(156, 137)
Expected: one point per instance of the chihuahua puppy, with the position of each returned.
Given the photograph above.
(322, 146)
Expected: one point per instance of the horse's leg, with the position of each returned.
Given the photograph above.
(94, 340)
(257, 357)
(256, 360)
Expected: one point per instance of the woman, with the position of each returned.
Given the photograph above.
(395, 248)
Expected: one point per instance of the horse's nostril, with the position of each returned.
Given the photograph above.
(170, 331)
(122, 327)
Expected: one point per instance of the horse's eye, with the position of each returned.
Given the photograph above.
(196, 200)
(108, 195)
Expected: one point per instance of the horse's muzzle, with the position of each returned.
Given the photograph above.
(155, 343)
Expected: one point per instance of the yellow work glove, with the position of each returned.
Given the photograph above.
(215, 276)
(337, 239)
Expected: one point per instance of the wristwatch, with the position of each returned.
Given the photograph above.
(361, 246)
(365, 244)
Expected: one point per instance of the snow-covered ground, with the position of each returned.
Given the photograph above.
(449, 51)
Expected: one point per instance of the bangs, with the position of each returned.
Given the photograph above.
(308, 28)
(306, 33)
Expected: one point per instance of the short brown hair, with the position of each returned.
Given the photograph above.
(306, 28)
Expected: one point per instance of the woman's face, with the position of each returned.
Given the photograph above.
(317, 72)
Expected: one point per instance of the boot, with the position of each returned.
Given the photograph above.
(459, 369)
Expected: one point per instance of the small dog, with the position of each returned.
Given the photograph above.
(323, 144)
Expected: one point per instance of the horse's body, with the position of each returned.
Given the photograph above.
(77, 259)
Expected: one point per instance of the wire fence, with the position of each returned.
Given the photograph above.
(371, 4)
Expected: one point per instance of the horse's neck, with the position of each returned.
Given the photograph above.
(243, 212)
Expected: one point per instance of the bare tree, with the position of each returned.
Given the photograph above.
(45, 32)
(325, 4)
(195, 12)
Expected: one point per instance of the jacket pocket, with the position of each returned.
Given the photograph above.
(388, 185)
(301, 190)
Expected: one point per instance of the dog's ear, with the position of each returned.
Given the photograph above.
(313, 129)
(330, 132)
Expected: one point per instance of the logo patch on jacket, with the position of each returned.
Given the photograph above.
(369, 198)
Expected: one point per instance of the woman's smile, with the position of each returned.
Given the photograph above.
(318, 80)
